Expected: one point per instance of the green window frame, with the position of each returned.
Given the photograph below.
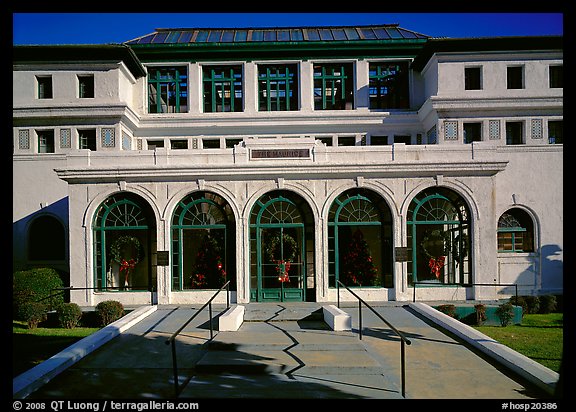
(87, 139)
(360, 240)
(515, 232)
(277, 87)
(44, 87)
(388, 85)
(86, 86)
(45, 141)
(167, 90)
(333, 86)
(438, 238)
(202, 242)
(121, 215)
(222, 89)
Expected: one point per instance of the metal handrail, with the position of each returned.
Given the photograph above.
(172, 340)
(464, 285)
(403, 339)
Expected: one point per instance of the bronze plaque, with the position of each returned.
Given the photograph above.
(401, 254)
(162, 258)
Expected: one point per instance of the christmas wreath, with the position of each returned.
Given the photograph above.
(436, 245)
(127, 251)
(458, 252)
(289, 249)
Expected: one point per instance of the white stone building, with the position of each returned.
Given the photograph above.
(284, 160)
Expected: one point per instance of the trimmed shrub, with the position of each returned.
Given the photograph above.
(532, 303)
(547, 303)
(35, 285)
(448, 309)
(69, 315)
(109, 311)
(480, 313)
(506, 313)
(32, 313)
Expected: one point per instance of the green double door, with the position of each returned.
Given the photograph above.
(280, 264)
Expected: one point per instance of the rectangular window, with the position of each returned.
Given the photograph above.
(333, 86)
(403, 139)
(231, 142)
(277, 87)
(378, 140)
(555, 132)
(473, 78)
(86, 86)
(514, 133)
(556, 77)
(44, 87)
(388, 85)
(515, 77)
(87, 139)
(167, 90)
(178, 144)
(346, 140)
(328, 141)
(211, 143)
(222, 89)
(45, 141)
(472, 132)
(153, 144)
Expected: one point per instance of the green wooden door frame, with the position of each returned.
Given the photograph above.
(281, 218)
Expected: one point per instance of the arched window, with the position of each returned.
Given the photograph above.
(281, 248)
(122, 243)
(438, 238)
(202, 242)
(360, 240)
(46, 239)
(515, 232)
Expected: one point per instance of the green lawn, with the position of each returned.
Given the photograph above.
(539, 337)
(33, 346)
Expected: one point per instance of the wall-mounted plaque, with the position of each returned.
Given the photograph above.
(401, 254)
(162, 258)
(279, 153)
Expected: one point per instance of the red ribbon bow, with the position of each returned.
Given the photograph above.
(127, 265)
(435, 266)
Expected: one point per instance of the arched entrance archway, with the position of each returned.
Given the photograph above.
(124, 228)
(281, 248)
(438, 232)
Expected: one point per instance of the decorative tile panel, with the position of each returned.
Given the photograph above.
(494, 129)
(194, 143)
(450, 130)
(108, 139)
(126, 141)
(139, 144)
(537, 131)
(24, 139)
(65, 138)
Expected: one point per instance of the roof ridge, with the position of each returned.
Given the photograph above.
(338, 26)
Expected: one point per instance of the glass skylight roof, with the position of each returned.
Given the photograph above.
(301, 34)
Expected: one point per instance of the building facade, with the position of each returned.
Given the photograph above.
(289, 160)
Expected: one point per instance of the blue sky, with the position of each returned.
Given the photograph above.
(101, 28)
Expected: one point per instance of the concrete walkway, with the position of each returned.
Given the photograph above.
(286, 350)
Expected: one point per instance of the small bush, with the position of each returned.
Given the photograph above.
(35, 285)
(533, 304)
(448, 309)
(547, 303)
(506, 313)
(480, 313)
(519, 301)
(109, 311)
(32, 313)
(69, 315)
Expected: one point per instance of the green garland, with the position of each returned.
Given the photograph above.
(119, 244)
(438, 234)
(290, 248)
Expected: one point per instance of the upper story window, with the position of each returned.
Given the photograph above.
(556, 75)
(45, 141)
(514, 132)
(388, 85)
(87, 139)
(473, 78)
(86, 86)
(515, 77)
(277, 87)
(555, 132)
(222, 88)
(472, 132)
(333, 86)
(44, 87)
(167, 90)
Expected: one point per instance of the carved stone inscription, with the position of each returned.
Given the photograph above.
(279, 153)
